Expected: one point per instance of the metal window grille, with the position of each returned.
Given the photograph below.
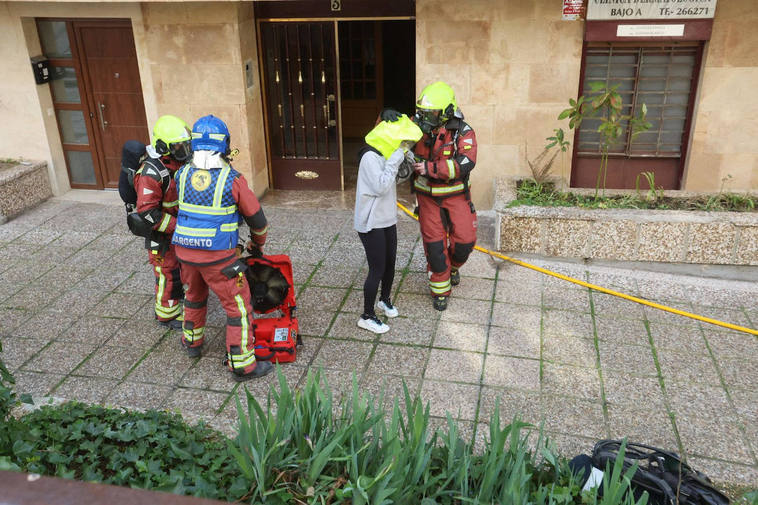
(659, 77)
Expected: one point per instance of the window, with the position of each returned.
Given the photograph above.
(659, 77)
(55, 37)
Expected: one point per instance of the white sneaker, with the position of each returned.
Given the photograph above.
(388, 309)
(373, 324)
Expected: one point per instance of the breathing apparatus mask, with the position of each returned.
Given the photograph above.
(428, 120)
(180, 151)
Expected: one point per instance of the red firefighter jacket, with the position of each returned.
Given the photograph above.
(450, 156)
(150, 197)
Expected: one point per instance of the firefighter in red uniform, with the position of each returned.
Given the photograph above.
(445, 156)
(213, 199)
(156, 212)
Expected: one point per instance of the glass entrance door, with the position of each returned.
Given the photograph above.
(302, 104)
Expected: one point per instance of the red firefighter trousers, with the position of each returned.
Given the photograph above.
(448, 229)
(168, 284)
(234, 295)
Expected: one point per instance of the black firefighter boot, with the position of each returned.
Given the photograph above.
(439, 302)
(455, 276)
(261, 368)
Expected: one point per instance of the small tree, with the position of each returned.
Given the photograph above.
(605, 102)
(542, 164)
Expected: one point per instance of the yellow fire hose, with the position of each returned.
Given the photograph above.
(606, 290)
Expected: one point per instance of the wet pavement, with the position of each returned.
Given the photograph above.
(76, 322)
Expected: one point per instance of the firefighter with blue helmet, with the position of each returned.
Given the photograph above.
(213, 199)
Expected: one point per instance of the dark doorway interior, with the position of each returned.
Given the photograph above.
(377, 70)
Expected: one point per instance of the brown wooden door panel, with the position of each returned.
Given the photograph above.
(114, 91)
(107, 41)
(114, 75)
(622, 173)
(121, 109)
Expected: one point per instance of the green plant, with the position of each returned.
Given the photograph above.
(7, 395)
(605, 102)
(541, 165)
(653, 194)
(150, 450)
(302, 447)
(750, 497)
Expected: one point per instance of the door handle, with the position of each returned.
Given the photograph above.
(328, 110)
(101, 110)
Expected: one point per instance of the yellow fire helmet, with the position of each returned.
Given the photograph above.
(387, 135)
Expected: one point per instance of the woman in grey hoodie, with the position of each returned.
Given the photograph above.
(375, 217)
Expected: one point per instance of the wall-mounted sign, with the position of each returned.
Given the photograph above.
(336, 5)
(650, 30)
(620, 10)
(573, 9)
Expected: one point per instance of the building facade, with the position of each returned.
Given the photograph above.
(299, 82)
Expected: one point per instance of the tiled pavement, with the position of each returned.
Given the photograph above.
(76, 322)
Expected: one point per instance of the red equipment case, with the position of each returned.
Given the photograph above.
(272, 289)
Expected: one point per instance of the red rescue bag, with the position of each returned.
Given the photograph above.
(272, 293)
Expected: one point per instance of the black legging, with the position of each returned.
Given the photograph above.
(381, 249)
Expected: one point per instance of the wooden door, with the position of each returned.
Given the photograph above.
(302, 104)
(117, 109)
(361, 76)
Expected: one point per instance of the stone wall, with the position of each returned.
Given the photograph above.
(513, 65)
(26, 108)
(726, 117)
(22, 187)
(196, 54)
(716, 238)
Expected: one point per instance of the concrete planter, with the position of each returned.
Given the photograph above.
(673, 236)
(22, 187)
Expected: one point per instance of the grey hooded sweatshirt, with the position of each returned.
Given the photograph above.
(376, 192)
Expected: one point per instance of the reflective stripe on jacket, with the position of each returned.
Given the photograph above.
(208, 215)
(450, 155)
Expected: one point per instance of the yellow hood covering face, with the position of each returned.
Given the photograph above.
(387, 135)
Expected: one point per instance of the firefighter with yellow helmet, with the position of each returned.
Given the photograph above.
(157, 207)
(445, 157)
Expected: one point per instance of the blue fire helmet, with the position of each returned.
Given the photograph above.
(209, 133)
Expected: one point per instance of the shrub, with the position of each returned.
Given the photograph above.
(302, 448)
(148, 450)
(531, 193)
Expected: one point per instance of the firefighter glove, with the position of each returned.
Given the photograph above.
(390, 115)
(256, 251)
